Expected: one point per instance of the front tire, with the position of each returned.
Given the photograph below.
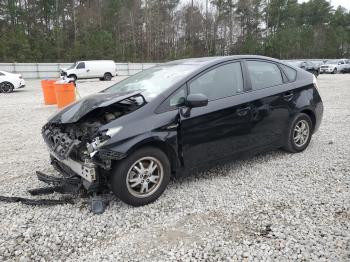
(299, 134)
(142, 177)
(6, 87)
(335, 71)
(74, 77)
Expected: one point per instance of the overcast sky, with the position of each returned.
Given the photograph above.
(336, 3)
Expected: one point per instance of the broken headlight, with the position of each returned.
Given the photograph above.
(99, 141)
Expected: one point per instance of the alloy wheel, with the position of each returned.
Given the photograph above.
(301, 133)
(144, 177)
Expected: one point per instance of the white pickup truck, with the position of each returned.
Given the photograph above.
(334, 66)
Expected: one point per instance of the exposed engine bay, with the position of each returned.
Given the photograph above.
(77, 141)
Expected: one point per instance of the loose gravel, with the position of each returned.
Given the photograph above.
(275, 206)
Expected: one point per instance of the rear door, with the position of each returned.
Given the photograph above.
(221, 128)
(271, 102)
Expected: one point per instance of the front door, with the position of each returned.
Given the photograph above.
(81, 70)
(221, 128)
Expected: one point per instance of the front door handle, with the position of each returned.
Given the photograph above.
(242, 111)
(288, 96)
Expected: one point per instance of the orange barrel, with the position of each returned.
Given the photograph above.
(48, 88)
(65, 94)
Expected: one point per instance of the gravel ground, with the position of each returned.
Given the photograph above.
(275, 206)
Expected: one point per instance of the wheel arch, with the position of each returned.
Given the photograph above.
(157, 142)
(312, 116)
(74, 75)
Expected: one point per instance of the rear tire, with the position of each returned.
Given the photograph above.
(6, 87)
(299, 134)
(133, 180)
(107, 77)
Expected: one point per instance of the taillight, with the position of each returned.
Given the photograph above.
(315, 83)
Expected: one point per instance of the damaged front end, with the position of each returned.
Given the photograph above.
(76, 135)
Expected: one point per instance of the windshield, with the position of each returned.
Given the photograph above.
(72, 66)
(153, 81)
(332, 62)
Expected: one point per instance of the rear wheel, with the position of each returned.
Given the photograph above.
(6, 87)
(142, 177)
(107, 77)
(299, 134)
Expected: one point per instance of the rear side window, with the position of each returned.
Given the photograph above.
(290, 73)
(81, 65)
(220, 82)
(264, 74)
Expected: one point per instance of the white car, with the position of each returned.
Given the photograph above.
(334, 66)
(10, 81)
(102, 69)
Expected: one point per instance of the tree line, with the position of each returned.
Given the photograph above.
(160, 30)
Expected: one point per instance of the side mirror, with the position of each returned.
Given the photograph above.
(196, 100)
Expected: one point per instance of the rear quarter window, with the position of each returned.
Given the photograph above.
(290, 72)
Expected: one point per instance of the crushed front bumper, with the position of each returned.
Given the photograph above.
(87, 171)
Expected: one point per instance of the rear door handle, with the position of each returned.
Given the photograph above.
(242, 111)
(288, 96)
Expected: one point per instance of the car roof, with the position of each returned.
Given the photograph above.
(203, 61)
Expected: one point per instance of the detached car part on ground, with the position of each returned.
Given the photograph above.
(180, 116)
(10, 82)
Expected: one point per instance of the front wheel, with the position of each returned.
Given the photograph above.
(74, 77)
(142, 177)
(335, 71)
(299, 134)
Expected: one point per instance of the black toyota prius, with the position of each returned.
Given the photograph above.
(166, 121)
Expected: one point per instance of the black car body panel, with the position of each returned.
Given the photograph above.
(79, 109)
(249, 122)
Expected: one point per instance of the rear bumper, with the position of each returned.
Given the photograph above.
(21, 84)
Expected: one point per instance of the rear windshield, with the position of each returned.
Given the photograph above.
(153, 81)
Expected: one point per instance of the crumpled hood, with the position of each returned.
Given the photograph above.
(77, 110)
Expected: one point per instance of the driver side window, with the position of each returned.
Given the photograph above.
(81, 65)
(220, 82)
